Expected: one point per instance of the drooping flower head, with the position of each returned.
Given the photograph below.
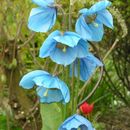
(42, 18)
(76, 121)
(64, 48)
(49, 88)
(90, 24)
(86, 66)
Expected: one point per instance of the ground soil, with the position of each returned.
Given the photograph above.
(119, 119)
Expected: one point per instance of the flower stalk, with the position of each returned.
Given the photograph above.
(68, 48)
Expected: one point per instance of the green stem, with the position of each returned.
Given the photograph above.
(70, 16)
(62, 106)
(100, 98)
(72, 82)
(77, 86)
(65, 78)
(67, 81)
(64, 17)
(72, 89)
(55, 69)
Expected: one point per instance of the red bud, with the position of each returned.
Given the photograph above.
(86, 108)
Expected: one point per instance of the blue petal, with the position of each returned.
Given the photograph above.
(52, 96)
(27, 80)
(84, 11)
(97, 32)
(105, 17)
(94, 60)
(82, 28)
(87, 66)
(39, 81)
(65, 92)
(64, 58)
(48, 45)
(43, 3)
(101, 5)
(52, 82)
(76, 121)
(82, 49)
(70, 39)
(89, 32)
(46, 81)
(42, 19)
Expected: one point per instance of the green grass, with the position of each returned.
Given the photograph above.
(3, 124)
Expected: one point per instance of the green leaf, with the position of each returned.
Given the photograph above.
(13, 64)
(51, 116)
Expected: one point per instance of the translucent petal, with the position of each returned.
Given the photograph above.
(65, 91)
(42, 19)
(52, 83)
(52, 95)
(40, 80)
(64, 58)
(101, 5)
(27, 80)
(74, 122)
(84, 11)
(43, 3)
(94, 59)
(97, 31)
(82, 28)
(105, 17)
(68, 38)
(82, 49)
(48, 45)
(87, 66)
(90, 32)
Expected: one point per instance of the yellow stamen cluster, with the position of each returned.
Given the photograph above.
(62, 47)
(46, 93)
(91, 19)
(95, 24)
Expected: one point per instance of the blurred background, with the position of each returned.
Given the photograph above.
(19, 48)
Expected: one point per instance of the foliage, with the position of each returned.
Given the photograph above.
(3, 124)
(51, 116)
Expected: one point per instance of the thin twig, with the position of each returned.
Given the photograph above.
(55, 69)
(94, 89)
(26, 42)
(34, 59)
(31, 113)
(112, 47)
(64, 16)
(72, 89)
(70, 16)
(19, 29)
(35, 106)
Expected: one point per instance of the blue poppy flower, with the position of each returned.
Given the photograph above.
(90, 24)
(42, 18)
(50, 88)
(64, 48)
(76, 121)
(86, 65)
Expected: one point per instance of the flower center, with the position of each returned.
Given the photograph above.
(62, 47)
(91, 19)
(46, 92)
